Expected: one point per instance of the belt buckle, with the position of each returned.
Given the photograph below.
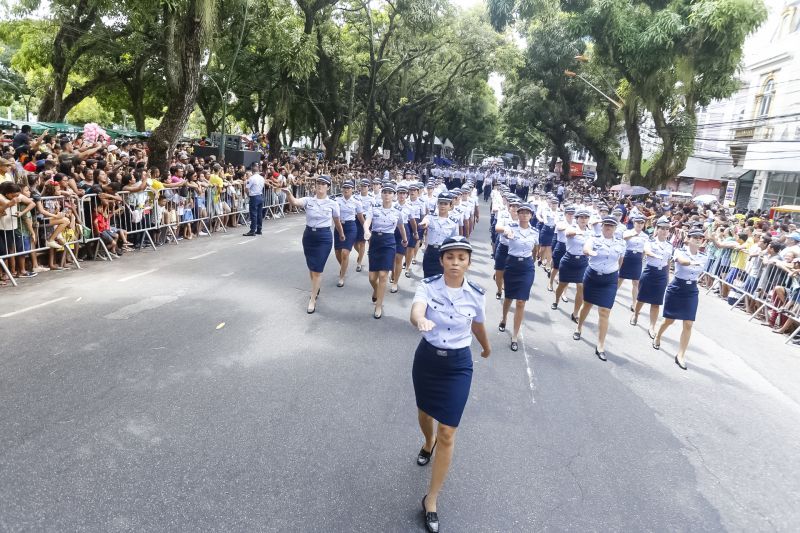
(441, 353)
(688, 282)
(313, 229)
(520, 258)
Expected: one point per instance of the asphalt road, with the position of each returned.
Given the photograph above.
(186, 390)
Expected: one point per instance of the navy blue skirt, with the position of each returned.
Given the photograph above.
(680, 302)
(350, 231)
(518, 277)
(500, 255)
(430, 262)
(652, 285)
(381, 252)
(631, 265)
(317, 244)
(359, 232)
(571, 268)
(398, 240)
(546, 235)
(442, 379)
(559, 249)
(600, 289)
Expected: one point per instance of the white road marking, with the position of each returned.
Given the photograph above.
(147, 304)
(31, 308)
(226, 274)
(203, 255)
(247, 241)
(528, 366)
(283, 229)
(140, 274)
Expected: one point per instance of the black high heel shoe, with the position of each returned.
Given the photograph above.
(677, 362)
(600, 355)
(431, 519)
(423, 457)
(502, 326)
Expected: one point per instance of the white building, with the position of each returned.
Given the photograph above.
(749, 144)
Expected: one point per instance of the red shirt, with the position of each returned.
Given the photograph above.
(101, 222)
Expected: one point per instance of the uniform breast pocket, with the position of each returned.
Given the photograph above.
(466, 311)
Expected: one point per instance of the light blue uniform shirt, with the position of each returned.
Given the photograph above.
(561, 235)
(452, 310)
(636, 243)
(348, 209)
(404, 210)
(548, 216)
(664, 251)
(523, 241)
(319, 212)
(575, 242)
(690, 272)
(440, 229)
(503, 220)
(366, 202)
(609, 252)
(384, 219)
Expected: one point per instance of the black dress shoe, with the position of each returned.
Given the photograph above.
(554, 306)
(424, 457)
(600, 355)
(573, 318)
(258, 233)
(358, 268)
(677, 362)
(634, 319)
(431, 519)
(377, 314)
(576, 336)
(514, 346)
(498, 295)
(248, 234)
(340, 283)
(656, 346)
(502, 326)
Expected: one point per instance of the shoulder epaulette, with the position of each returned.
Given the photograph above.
(476, 287)
(431, 279)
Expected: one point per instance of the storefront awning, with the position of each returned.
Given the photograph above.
(738, 173)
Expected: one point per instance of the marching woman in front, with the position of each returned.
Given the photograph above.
(573, 264)
(680, 302)
(519, 271)
(653, 282)
(600, 280)
(351, 215)
(366, 198)
(449, 310)
(439, 228)
(317, 238)
(379, 227)
(560, 248)
(631, 268)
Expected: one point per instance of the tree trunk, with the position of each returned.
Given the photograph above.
(274, 138)
(633, 169)
(188, 52)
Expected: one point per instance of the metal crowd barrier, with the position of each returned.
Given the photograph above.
(66, 217)
(754, 289)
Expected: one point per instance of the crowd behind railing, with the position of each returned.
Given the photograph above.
(64, 201)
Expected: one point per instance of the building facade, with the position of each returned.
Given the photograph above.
(747, 148)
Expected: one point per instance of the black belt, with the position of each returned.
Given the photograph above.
(601, 273)
(633, 252)
(686, 281)
(520, 258)
(318, 229)
(437, 246)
